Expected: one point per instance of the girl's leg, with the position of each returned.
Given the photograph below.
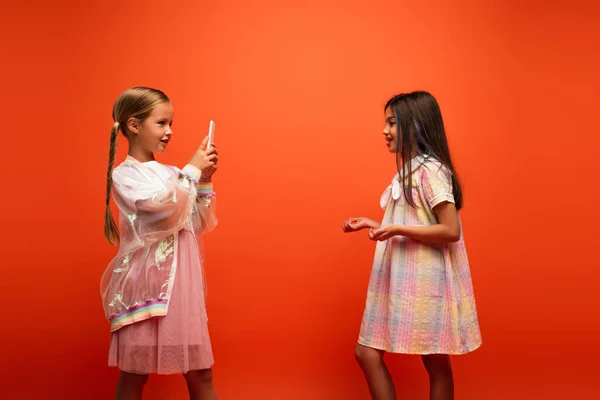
(441, 383)
(378, 378)
(130, 386)
(200, 385)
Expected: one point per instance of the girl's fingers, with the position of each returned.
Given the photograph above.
(204, 142)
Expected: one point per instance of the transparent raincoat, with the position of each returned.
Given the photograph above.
(137, 283)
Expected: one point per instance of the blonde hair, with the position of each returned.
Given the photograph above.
(138, 103)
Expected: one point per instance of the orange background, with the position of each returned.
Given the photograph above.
(297, 92)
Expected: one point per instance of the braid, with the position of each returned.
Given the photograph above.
(111, 232)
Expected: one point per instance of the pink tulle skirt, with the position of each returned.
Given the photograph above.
(178, 342)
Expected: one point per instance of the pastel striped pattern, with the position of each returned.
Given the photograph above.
(149, 309)
(420, 297)
(192, 172)
(205, 189)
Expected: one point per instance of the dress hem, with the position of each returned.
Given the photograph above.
(423, 353)
(183, 372)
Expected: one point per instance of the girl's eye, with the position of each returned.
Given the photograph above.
(161, 123)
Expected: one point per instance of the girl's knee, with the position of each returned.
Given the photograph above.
(202, 376)
(132, 379)
(437, 365)
(367, 356)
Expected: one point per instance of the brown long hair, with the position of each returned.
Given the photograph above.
(137, 102)
(421, 130)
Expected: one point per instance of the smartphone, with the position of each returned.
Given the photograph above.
(211, 134)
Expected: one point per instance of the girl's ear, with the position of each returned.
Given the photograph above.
(133, 125)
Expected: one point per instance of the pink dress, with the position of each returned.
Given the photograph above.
(149, 342)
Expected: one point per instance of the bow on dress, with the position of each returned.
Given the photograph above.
(392, 191)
